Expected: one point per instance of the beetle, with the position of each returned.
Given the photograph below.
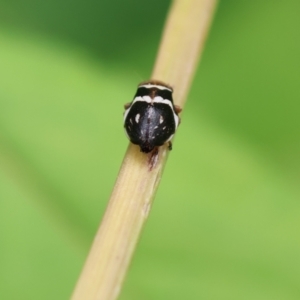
(151, 119)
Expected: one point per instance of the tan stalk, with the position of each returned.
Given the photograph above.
(104, 270)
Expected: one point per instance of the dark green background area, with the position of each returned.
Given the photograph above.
(225, 222)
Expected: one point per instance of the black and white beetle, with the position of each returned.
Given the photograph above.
(151, 119)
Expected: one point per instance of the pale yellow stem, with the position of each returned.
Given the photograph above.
(132, 196)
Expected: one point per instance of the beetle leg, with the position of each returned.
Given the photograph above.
(127, 105)
(178, 109)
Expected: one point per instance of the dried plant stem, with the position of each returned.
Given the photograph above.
(131, 199)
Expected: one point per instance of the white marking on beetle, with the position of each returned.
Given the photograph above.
(126, 113)
(158, 86)
(176, 120)
(169, 139)
(130, 121)
(156, 99)
(137, 118)
(161, 119)
(164, 127)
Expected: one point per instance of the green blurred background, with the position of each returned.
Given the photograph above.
(225, 222)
